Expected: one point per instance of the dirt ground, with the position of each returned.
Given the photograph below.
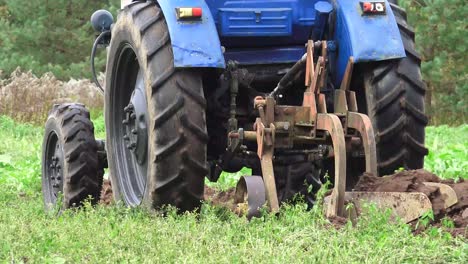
(412, 181)
(216, 197)
(405, 181)
(106, 193)
(222, 198)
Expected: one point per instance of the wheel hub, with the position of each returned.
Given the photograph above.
(55, 170)
(135, 133)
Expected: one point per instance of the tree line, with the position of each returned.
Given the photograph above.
(49, 36)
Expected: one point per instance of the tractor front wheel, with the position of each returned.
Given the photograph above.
(70, 165)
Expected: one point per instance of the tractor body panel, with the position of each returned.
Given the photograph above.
(365, 37)
(195, 43)
(256, 32)
(267, 23)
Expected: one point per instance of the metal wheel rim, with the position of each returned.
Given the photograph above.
(54, 164)
(129, 86)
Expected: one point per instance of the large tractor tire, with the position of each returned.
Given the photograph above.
(155, 115)
(394, 93)
(70, 166)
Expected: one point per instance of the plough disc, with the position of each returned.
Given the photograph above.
(450, 197)
(250, 196)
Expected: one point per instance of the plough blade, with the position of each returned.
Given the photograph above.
(450, 196)
(407, 206)
(331, 123)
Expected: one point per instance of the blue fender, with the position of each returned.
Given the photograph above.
(194, 43)
(365, 37)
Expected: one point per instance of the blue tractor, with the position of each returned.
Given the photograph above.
(293, 89)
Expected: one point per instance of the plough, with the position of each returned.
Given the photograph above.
(344, 130)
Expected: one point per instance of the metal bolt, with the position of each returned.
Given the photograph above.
(125, 122)
(233, 135)
(128, 108)
(134, 131)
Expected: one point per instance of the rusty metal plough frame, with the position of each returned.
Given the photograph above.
(309, 125)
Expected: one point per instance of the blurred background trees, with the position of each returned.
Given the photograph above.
(442, 40)
(49, 36)
(56, 36)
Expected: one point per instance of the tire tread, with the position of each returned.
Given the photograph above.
(395, 103)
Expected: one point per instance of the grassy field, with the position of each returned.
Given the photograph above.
(116, 233)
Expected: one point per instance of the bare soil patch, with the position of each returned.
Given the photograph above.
(221, 198)
(106, 193)
(413, 181)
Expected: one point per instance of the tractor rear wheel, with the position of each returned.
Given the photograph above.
(155, 115)
(394, 93)
(70, 165)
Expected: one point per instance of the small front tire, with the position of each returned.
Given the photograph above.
(70, 166)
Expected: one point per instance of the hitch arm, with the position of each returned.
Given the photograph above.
(265, 142)
(332, 124)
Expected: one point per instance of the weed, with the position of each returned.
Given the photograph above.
(448, 151)
(28, 98)
(447, 222)
(425, 219)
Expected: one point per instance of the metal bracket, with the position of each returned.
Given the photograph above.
(363, 125)
(265, 143)
(332, 124)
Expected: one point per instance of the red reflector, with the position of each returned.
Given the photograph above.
(373, 8)
(197, 12)
(187, 13)
(367, 7)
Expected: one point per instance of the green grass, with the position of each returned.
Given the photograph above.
(448, 151)
(116, 233)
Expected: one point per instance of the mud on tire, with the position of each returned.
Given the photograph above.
(177, 133)
(70, 165)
